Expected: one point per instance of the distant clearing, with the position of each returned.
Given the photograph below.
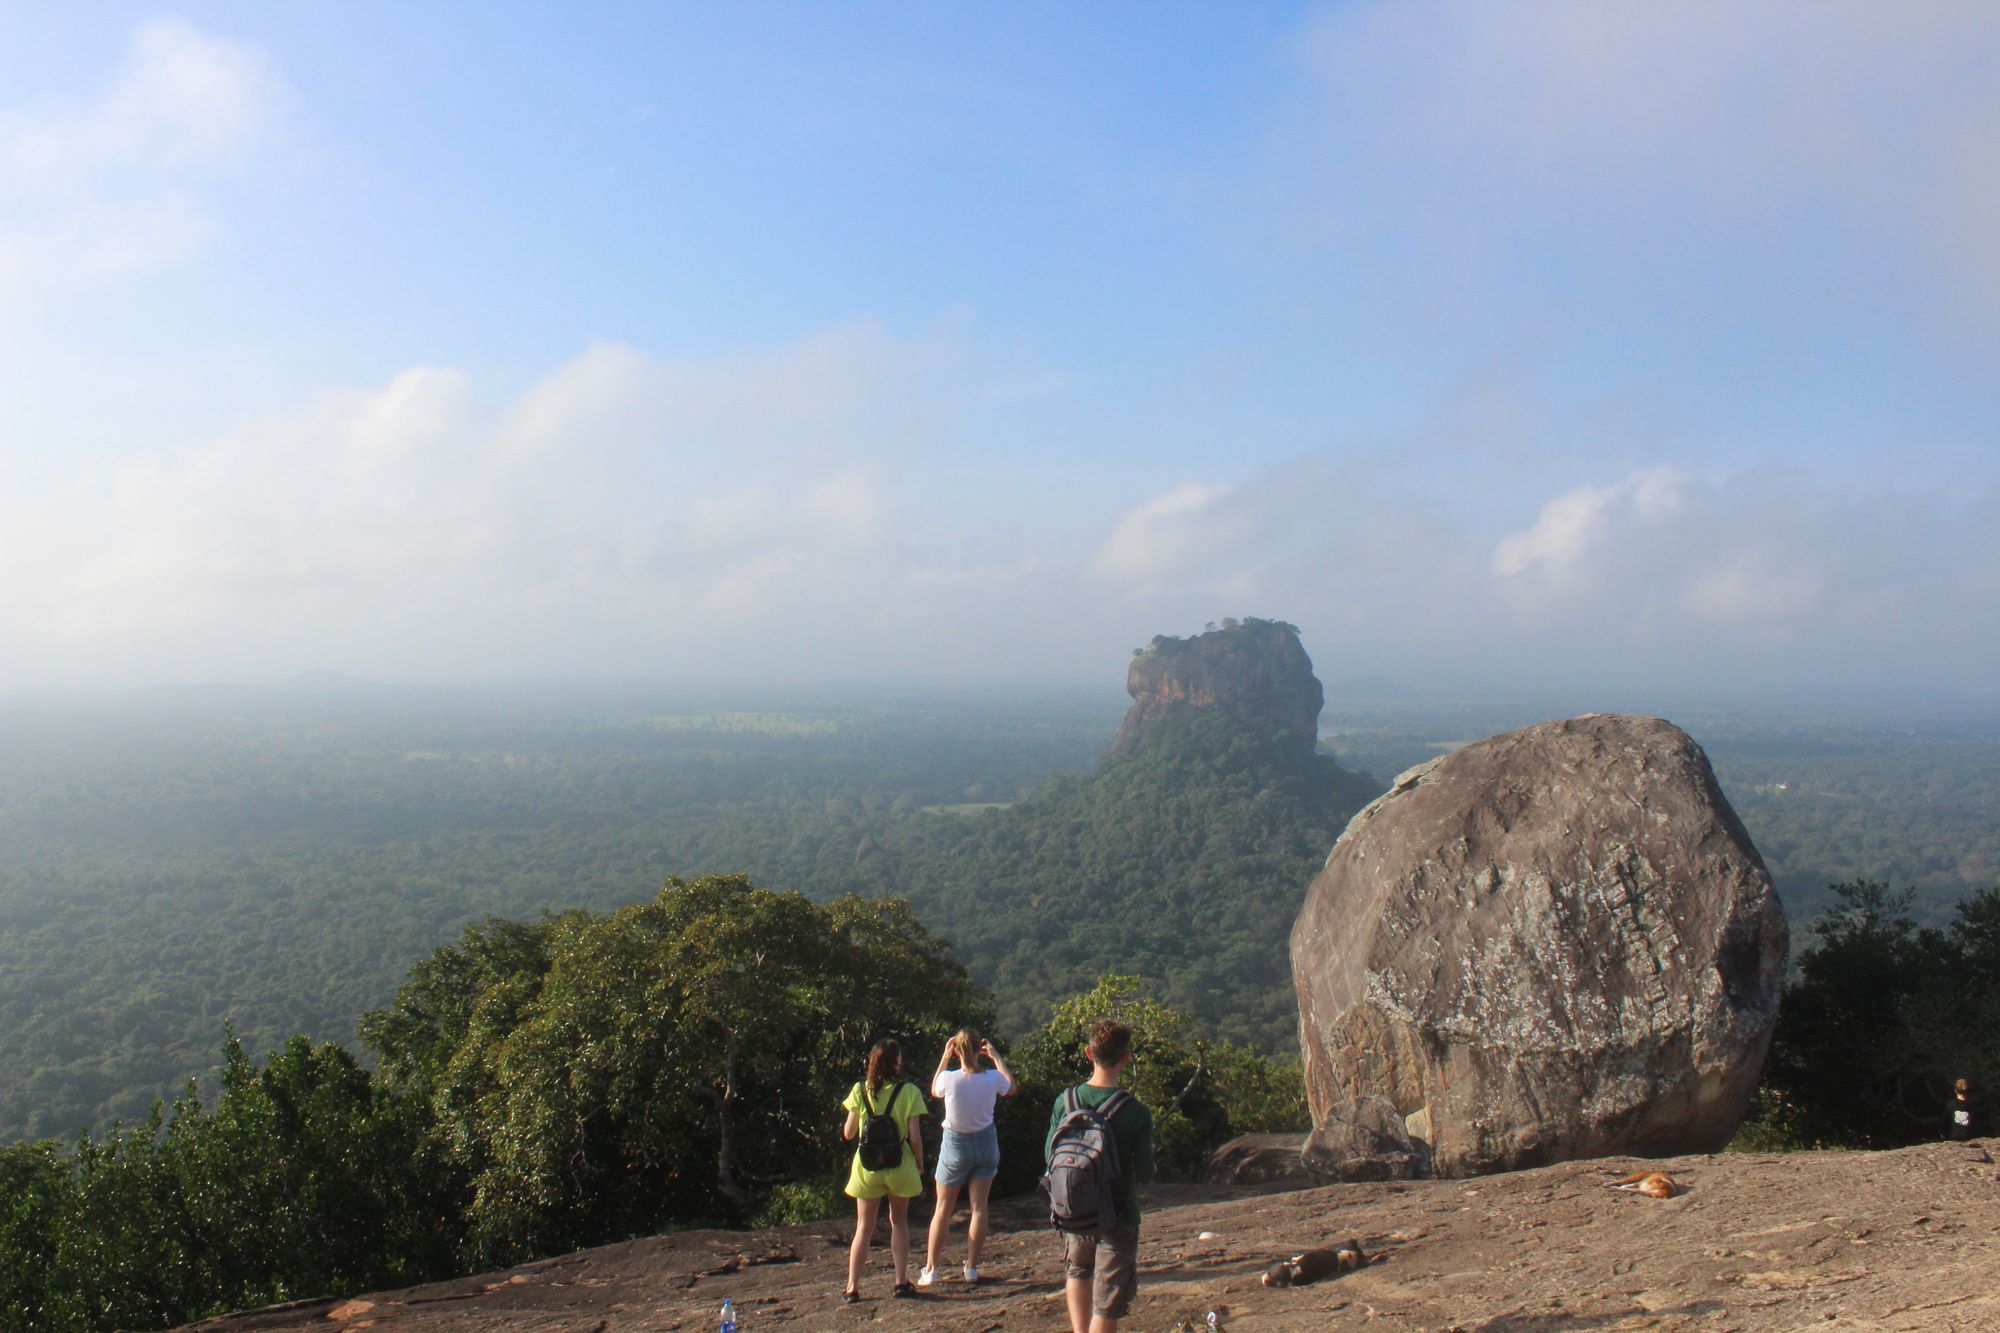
(966, 807)
(764, 724)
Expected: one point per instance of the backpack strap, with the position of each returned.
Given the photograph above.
(1071, 1102)
(1114, 1104)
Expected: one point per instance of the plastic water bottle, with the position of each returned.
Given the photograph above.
(728, 1315)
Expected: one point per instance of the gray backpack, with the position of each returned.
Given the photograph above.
(1082, 1179)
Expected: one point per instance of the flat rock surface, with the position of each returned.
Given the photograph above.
(1897, 1240)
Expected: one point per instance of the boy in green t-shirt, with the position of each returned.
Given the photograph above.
(1103, 1270)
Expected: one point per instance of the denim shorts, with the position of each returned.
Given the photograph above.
(964, 1157)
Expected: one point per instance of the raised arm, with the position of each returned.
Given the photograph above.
(993, 1058)
(944, 1058)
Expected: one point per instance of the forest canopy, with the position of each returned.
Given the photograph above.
(277, 861)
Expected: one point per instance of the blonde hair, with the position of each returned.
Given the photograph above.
(968, 1040)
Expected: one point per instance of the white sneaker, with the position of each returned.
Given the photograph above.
(971, 1273)
(927, 1278)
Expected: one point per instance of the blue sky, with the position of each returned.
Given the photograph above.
(1602, 348)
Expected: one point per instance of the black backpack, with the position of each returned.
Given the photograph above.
(881, 1137)
(1082, 1179)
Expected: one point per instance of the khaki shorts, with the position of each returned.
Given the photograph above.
(1110, 1263)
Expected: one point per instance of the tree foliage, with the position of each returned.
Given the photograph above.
(1185, 864)
(600, 1076)
(1884, 1017)
(305, 1180)
(1201, 1093)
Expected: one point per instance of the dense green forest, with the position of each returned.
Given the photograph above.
(1185, 862)
(277, 860)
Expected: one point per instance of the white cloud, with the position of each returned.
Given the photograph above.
(1657, 577)
(96, 191)
(1564, 532)
(629, 515)
(1168, 535)
(415, 524)
(184, 99)
(1754, 591)
(1759, 574)
(1560, 553)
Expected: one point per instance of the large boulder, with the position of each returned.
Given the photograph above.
(1254, 1160)
(1551, 944)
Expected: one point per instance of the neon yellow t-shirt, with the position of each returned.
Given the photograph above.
(903, 1180)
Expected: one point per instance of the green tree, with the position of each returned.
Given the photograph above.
(36, 1192)
(663, 1063)
(1201, 1093)
(304, 1181)
(1883, 1017)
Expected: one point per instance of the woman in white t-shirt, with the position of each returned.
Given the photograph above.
(970, 1156)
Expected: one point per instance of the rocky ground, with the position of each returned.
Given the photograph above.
(1897, 1240)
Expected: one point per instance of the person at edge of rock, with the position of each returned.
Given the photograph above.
(883, 1092)
(1961, 1126)
(1102, 1272)
(969, 1157)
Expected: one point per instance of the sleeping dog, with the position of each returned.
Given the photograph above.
(1310, 1266)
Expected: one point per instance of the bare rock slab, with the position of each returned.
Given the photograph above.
(1552, 944)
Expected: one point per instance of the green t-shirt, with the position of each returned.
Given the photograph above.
(1131, 1130)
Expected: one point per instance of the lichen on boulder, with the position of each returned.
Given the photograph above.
(1555, 943)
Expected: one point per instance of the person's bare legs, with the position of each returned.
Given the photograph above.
(947, 1200)
(976, 1192)
(1077, 1292)
(864, 1228)
(899, 1237)
(1103, 1323)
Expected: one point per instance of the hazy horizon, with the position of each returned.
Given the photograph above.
(1606, 352)
(1346, 695)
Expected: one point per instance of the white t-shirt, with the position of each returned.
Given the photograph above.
(969, 1098)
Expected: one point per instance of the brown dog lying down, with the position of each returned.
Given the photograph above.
(1652, 1184)
(1310, 1266)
